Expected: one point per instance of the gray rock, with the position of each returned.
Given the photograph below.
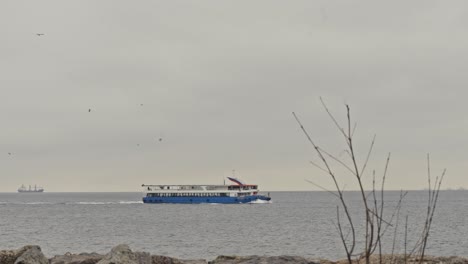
(261, 260)
(122, 254)
(83, 258)
(143, 257)
(193, 261)
(168, 260)
(10, 256)
(32, 256)
(155, 259)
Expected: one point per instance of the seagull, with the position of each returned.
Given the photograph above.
(40, 34)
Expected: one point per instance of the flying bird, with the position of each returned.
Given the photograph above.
(9, 153)
(141, 104)
(89, 110)
(160, 139)
(40, 34)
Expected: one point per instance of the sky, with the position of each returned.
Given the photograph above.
(217, 82)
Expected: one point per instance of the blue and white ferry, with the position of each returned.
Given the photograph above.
(195, 194)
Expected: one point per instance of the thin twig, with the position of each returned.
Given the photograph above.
(368, 155)
(323, 188)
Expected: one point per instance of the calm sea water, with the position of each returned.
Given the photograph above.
(295, 223)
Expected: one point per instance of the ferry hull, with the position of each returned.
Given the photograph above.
(198, 200)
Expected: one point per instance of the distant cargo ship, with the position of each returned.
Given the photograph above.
(36, 189)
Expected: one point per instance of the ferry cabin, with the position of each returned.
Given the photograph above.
(201, 194)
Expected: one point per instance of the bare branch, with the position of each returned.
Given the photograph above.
(323, 188)
(317, 166)
(368, 155)
(333, 118)
(338, 160)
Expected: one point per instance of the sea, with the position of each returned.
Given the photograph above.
(293, 223)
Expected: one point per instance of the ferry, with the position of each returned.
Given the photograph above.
(36, 189)
(196, 194)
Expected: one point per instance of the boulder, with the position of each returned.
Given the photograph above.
(10, 256)
(261, 260)
(122, 254)
(164, 260)
(32, 256)
(83, 258)
(168, 260)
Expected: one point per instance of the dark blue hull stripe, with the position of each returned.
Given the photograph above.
(197, 200)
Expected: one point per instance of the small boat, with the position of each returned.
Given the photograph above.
(36, 189)
(195, 194)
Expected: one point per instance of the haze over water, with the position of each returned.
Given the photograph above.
(295, 223)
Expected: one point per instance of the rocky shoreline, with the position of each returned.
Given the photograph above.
(122, 254)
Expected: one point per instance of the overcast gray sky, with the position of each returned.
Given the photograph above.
(218, 81)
